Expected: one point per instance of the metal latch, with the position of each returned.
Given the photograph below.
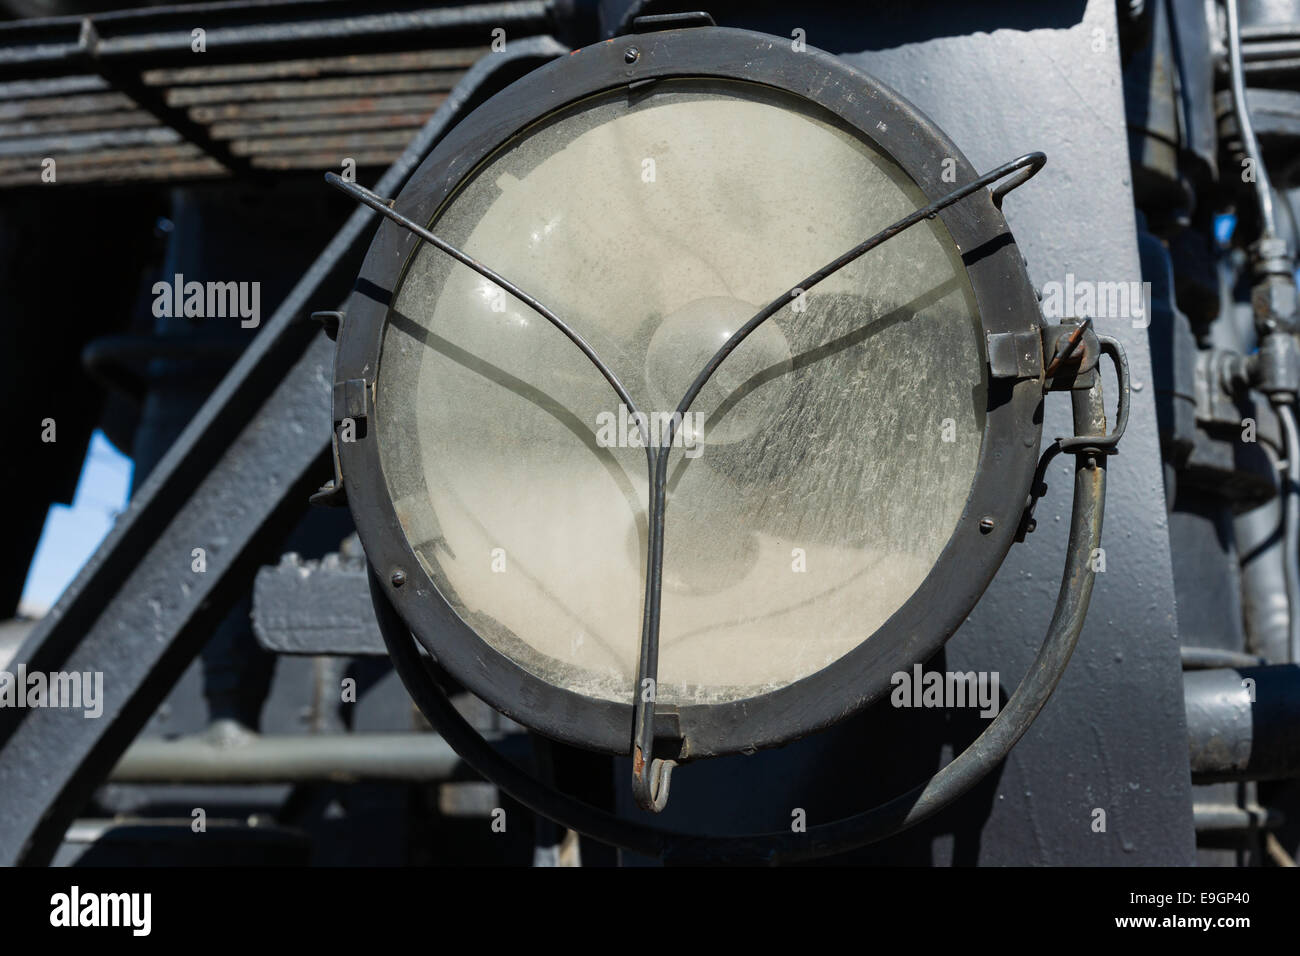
(1015, 354)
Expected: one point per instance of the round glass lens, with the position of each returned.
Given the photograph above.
(818, 476)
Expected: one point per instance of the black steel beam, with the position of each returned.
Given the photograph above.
(254, 30)
(232, 484)
(153, 100)
(245, 757)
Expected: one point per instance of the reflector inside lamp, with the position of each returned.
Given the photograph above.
(832, 454)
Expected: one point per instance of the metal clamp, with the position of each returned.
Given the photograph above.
(1106, 444)
(1095, 445)
(651, 788)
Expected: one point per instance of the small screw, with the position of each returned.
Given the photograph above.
(631, 54)
(986, 524)
(399, 578)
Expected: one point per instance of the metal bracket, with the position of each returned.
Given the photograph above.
(330, 322)
(1015, 355)
(351, 401)
(332, 494)
(1082, 444)
(1106, 444)
(672, 21)
(1074, 351)
(352, 397)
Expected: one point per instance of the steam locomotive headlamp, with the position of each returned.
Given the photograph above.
(692, 388)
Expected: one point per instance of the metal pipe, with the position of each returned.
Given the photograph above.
(1291, 524)
(1263, 189)
(1230, 818)
(251, 758)
(1208, 658)
(1259, 534)
(1241, 723)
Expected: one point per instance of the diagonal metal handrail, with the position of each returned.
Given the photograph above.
(123, 613)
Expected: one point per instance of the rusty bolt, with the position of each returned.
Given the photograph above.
(1275, 298)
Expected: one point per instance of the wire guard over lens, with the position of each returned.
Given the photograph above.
(650, 781)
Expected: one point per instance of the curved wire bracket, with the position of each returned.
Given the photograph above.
(650, 790)
(1036, 163)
